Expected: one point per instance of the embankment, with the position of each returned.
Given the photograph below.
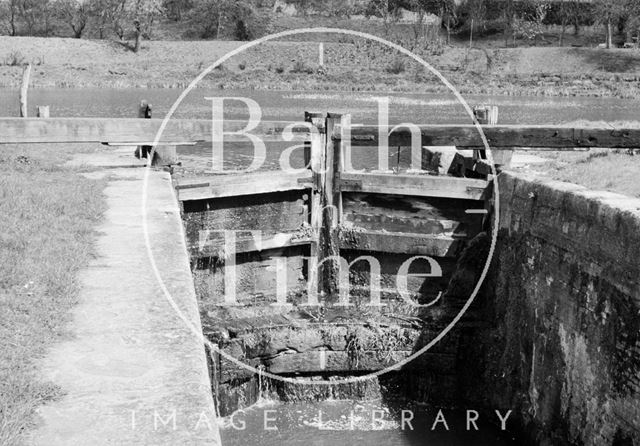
(564, 350)
(350, 66)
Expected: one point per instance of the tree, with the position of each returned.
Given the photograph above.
(509, 19)
(447, 10)
(175, 9)
(387, 10)
(233, 18)
(477, 10)
(9, 15)
(74, 13)
(607, 12)
(35, 15)
(569, 12)
(101, 15)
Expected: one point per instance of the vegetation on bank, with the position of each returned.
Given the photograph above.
(48, 215)
(513, 20)
(598, 169)
(348, 66)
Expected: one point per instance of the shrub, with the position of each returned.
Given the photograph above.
(14, 59)
(300, 67)
(396, 67)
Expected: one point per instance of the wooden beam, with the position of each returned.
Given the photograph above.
(414, 185)
(135, 131)
(401, 243)
(204, 188)
(215, 248)
(330, 210)
(503, 137)
(132, 131)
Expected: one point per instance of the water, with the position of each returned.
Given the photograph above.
(332, 423)
(291, 105)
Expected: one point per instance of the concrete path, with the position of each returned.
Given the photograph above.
(132, 373)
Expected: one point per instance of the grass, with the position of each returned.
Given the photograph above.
(350, 65)
(598, 169)
(47, 218)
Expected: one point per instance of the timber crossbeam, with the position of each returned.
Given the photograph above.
(137, 131)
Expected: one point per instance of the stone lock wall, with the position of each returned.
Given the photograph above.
(564, 295)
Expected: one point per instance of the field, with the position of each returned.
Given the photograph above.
(352, 65)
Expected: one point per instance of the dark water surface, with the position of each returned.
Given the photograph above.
(291, 105)
(337, 423)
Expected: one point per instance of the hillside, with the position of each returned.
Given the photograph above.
(355, 65)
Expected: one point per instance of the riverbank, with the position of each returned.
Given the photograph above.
(355, 66)
(48, 214)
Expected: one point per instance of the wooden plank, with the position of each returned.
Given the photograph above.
(421, 215)
(132, 131)
(402, 243)
(203, 188)
(213, 248)
(253, 216)
(415, 185)
(256, 278)
(147, 143)
(503, 137)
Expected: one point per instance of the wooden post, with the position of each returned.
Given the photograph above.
(321, 54)
(485, 115)
(488, 115)
(331, 206)
(314, 158)
(23, 91)
(43, 111)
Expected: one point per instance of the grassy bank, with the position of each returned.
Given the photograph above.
(47, 214)
(598, 169)
(352, 66)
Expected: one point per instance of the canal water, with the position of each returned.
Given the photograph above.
(333, 423)
(291, 105)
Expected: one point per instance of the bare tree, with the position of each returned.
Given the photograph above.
(236, 18)
(9, 16)
(568, 13)
(447, 10)
(100, 16)
(607, 12)
(387, 10)
(74, 13)
(143, 14)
